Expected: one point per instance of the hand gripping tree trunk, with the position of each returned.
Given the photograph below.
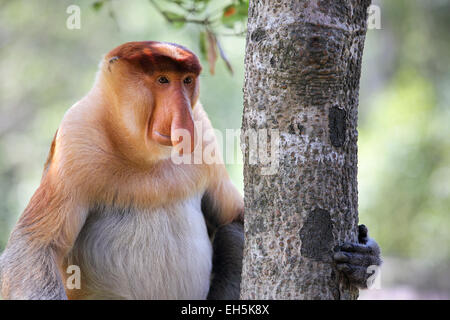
(302, 70)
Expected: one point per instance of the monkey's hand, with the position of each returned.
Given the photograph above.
(354, 259)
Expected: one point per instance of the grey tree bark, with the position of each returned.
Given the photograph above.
(302, 70)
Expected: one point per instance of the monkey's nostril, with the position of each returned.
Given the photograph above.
(162, 135)
(162, 139)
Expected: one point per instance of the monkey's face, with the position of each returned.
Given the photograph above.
(171, 120)
(157, 87)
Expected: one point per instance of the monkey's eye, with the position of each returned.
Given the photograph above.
(187, 80)
(163, 79)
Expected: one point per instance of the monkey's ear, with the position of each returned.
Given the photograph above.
(111, 61)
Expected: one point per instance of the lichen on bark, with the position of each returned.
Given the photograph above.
(302, 70)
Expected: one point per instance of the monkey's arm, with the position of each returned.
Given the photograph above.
(45, 232)
(228, 246)
(222, 206)
(222, 203)
(354, 259)
(29, 266)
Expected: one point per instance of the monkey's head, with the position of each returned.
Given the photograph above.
(154, 86)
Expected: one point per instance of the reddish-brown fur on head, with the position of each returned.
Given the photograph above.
(153, 56)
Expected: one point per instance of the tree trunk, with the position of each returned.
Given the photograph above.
(302, 70)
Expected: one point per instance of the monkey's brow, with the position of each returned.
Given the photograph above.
(168, 64)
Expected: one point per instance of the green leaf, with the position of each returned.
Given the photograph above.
(97, 5)
(242, 8)
(173, 16)
(202, 44)
(177, 20)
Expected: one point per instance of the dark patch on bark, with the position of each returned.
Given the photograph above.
(337, 126)
(317, 236)
(296, 128)
(272, 62)
(258, 35)
(291, 129)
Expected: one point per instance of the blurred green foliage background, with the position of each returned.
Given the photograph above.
(404, 126)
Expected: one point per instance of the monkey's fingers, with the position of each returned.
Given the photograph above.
(357, 259)
(356, 275)
(363, 234)
(355, 247)
(371, 247)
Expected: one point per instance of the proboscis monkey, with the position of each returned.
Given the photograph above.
(113, 202)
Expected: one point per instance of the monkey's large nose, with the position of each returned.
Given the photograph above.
(182, 131)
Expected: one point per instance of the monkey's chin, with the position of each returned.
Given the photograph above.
(166, 152)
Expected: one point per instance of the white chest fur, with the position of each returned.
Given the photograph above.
(162, 253)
